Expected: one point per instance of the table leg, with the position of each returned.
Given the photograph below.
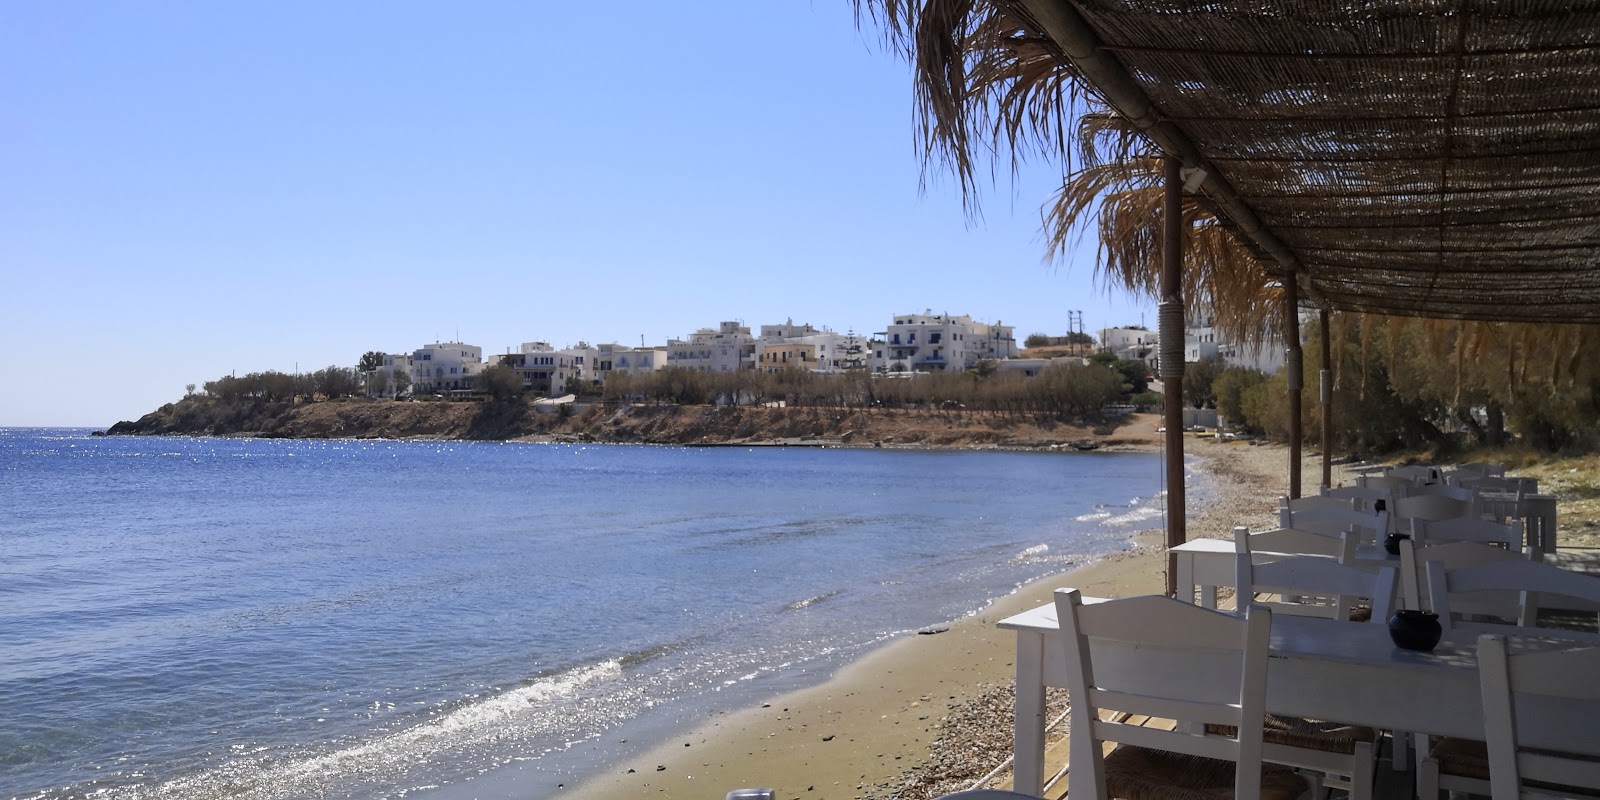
(1185, 580)
(1028, 744)
(1208, 597)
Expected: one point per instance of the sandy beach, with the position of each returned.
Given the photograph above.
(927, 714)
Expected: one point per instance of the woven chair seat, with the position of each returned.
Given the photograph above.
(1308, 734)
(1466, 758)
(1139, 773)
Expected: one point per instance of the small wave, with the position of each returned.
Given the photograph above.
(810, 601)
(474, 724)
(1135, 516)
(1031, 552)
(638, 657)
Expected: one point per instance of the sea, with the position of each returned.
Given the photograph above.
(206, 617)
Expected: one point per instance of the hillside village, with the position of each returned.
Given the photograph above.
(912, 343)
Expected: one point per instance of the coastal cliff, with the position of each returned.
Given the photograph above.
(643, 424)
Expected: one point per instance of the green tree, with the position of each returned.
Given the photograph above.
(1198, 380)
(1036, 340)
(370, 361)
(1229, 388)
(500, 382)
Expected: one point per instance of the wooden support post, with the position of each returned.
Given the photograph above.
(1171, 338)
(1327, 400)
(1294, 368)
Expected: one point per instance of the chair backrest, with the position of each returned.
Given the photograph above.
(1538, 706)
(1417, 474)
(1165, 658)
(1333, 521)
(1396, 487)
(1455, 555)
(1467, 529)
(1293, 542)
(1316, 501)
(1322, 586)
(1534, 582)
(1365, 498)
(1432, 507)
(1512, 485)
(1461, 493)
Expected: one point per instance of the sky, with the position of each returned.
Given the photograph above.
(192, 189)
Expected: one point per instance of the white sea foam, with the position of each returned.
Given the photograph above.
(475, 723)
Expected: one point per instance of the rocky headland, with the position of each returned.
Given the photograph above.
(199, 415)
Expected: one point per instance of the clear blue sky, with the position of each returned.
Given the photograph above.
(193, 188)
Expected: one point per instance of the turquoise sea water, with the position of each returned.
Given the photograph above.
(193, 617)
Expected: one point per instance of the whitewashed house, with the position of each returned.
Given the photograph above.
(445, 366)
(728, 348)
(930, 342)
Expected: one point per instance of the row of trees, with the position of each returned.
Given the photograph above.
(281, 387)
(1404, 383)
(1068, 390)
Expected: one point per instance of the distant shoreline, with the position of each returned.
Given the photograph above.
(594, 423)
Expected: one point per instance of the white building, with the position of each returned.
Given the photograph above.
(618, 358)
(837, 352)
(787, 331)
(543, 369)
(445, 366)
(728, 348)
(584, 358)
(1201, 340)
(930, 342)
(1029, 367)
(1131, 344)
(393, 379)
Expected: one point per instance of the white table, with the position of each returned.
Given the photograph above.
(1319, 668)
(1205, 564)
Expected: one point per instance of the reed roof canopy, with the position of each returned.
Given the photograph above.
(1432, 158)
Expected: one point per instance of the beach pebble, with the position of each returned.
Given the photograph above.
(828, 738)
(661, 768)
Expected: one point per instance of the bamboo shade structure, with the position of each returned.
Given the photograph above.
(1423, 158)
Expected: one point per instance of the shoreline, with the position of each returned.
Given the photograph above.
(872, 728)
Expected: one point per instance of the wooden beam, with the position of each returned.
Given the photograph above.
(1294, 365)
(1327, 399)
(1171, 344)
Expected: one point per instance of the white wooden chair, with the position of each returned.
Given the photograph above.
(1533, 581)
(1509, 485)
(1372, 527)
(1291, 541)
(1467, 529)
(1366, 499)
(1194, 666)
(1343, 756)
(1461, 493)
(1455, 555)
(1331, 587)
(1316, 501)
(1539, 711)
(1397, 487)
(1432, 507)
(1416, 474)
